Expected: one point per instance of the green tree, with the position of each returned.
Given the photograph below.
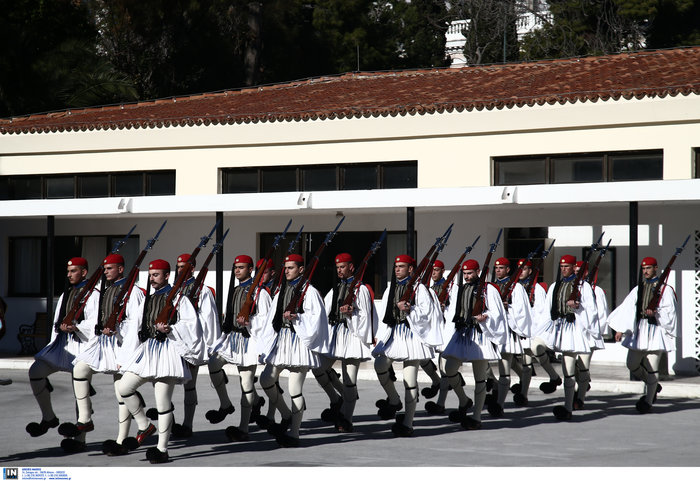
(49, 59)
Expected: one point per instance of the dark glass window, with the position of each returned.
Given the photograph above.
(400, 176)
(577, 169)
(279, 180)
(94, 185)
(60, 187)
(637, 167)
(531, 171)
(25, 188)
(160, 183)
(240, 181)
(130, 184)
(360, 177)
(5, 188)
(590, 167)
(320, 178)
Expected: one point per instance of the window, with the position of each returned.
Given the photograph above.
(27, 260)
(22, 187)
(573, 168)
(696, 166)
(388, 175)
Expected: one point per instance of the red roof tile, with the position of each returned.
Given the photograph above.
(364, 94)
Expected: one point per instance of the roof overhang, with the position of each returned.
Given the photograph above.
(377, 201)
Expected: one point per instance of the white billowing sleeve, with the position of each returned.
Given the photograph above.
(494, 326)
(425, 317)
(622, 318)
(312, 325)
(666, 314)
(128, 329)
(519, 312)
(187, 332)
(263, 302)
(587, 312)
(85, 329)
(602, 309)
(363, 320)
(209, 317)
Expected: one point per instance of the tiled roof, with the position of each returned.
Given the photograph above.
(364, 94)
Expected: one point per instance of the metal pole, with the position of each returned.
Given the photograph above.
(50, 248)
(220, 263)
(410, 231)
(634, 240)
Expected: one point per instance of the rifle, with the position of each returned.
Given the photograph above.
(359, 274)
(530, 289)
(199, 281)
(592, 276)
(428, 272)
(659, 289)
(510, 285)
(450, 278)
(122, 298)
(576, 292)
(249, 302)
(165, 316)
(410, 287)
(81, 299)
(295, 303)
(478, 307)
(276, 287)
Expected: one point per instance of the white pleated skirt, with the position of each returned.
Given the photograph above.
(290, 351)
(569, 338)
(547, 333)
(237, 349)
(513, 344)
(100, 354)
(468, 344)
(403, 345)
(61, 352)
(157, 360)
(345, 345)
(646, 337)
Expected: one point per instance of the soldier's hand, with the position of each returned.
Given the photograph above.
(403, 306)
(573, 304)
(618, 336)
(164, 328)
(107, 331)
(650, 313)
(347, 310)
(481, 317)
(289, 316)
(243, 321)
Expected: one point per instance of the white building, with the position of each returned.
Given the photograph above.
(561, 149)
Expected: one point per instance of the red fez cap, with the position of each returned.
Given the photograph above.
(294, 258)
(579, 264)
(502, 261)
(406, 259)
(78, 261)
(439, 263)
(344, 257)
(243, 259)
(159, 264)
(527, 264)
(649, 261)
(567, 259)
(113, 259)
(260, 262)
(183, 257)
(470, 264)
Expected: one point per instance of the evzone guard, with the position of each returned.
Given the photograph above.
(74, 326)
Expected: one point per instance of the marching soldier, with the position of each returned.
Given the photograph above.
(158, 358)
(238, 345)
(350, 337)
(571, 320)
(105, 353)
(647, 332)
(208, 318)
(67, 341)
(291, 341)
(438, 381)
(409, 332)
(518, 331)
(595, 339)
(476, 339)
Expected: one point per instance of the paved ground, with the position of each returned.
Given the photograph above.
(609, 432)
